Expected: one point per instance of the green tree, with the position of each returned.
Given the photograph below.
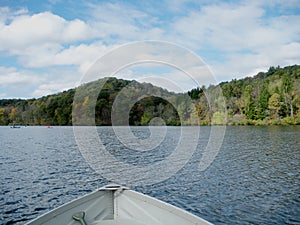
(263, 102)
(249, 102)
(286, 87)
(275, 105)
(195, 93)
(219, 118)
(3, 116)
(146, 118)
(12, 115)
(103, 112)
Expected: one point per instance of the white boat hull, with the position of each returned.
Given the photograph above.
(114, 205)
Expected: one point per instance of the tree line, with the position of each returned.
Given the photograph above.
(271, 97)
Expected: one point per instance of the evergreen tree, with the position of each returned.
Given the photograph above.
(263, 102)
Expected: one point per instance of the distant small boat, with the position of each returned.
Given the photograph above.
(49, 126)
(14, 126)
(117, 205)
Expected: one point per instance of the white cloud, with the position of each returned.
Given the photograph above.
(234, 27)
(6, 15)
(51, 88)
(18, 83)
(26, 83)
(13, 76)
(241, 65)
(280, 5)
(57, 80)
(224, 26)
(236, 38)
(54, 55)
(246, 37)
(44, 39)
(27, 30)
(121, 23)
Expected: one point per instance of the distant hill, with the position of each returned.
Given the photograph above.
(271, 97)
(57, 109)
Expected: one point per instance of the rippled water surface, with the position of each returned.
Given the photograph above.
(253, 180)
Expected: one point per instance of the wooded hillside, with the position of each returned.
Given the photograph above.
(271, 97)
(268, 98)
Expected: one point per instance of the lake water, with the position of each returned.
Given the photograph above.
(254, 179)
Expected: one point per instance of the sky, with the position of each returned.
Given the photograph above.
(48, 46)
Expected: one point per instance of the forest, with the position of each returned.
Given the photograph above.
(268, 98)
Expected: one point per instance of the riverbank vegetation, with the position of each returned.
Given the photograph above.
(269, 98)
